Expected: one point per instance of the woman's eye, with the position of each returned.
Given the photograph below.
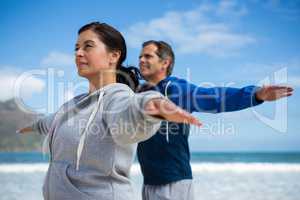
(87, 46)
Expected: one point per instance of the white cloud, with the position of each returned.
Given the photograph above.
(58, 59)
(28, 87)
(201, 30)
(231, 7)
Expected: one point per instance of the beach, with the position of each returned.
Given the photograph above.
(218, 179)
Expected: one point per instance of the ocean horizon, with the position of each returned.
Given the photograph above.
(216, 175)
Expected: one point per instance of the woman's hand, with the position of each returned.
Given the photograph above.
(163, 108)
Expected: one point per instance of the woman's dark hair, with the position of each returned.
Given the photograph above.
(114, 41)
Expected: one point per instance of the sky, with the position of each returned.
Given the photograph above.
(216, 43)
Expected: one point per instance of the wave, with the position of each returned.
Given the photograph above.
(236, 167)
(196, 167)
(23, 168)
(246, 167)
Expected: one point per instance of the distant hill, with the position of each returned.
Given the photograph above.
(11, 119)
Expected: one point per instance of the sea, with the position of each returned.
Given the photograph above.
(216, 176)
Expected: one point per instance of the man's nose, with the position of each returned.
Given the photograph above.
(142, 59)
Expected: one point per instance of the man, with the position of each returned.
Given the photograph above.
(165, 157)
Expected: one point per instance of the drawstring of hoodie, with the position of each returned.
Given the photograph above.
(167, 123)
(85, 131)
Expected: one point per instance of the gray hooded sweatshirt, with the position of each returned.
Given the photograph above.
(92, 142)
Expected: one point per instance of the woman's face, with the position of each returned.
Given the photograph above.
(92, 56)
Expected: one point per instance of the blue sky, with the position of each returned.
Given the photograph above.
(217, 43)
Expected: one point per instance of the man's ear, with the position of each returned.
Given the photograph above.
(166, 64)
(114, 57)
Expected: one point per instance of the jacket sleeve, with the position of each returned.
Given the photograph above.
(222, 99)
(125, 117)
(42, 125)
(212, 100)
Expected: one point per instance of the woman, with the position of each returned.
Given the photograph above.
(92, 138)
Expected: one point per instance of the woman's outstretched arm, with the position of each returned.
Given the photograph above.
(133, 118)
(41, 126)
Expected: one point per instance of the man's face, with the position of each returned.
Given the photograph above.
(151, 65)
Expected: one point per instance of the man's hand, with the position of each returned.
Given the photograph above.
(273, 92)
(163, 108)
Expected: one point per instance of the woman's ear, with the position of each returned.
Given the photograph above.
(114, 57)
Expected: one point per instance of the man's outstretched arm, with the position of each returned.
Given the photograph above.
(227, 99)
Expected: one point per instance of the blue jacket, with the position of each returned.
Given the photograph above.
(165, 157)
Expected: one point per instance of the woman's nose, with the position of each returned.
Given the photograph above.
(79, 52)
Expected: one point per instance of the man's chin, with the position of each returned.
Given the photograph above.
(145, 76)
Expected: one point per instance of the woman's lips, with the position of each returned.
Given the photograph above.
(82, 64)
